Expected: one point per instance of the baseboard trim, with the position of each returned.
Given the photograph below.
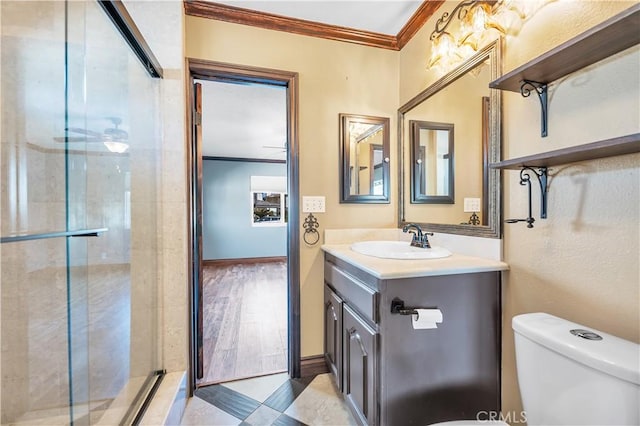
(313, 365)
(225, 262)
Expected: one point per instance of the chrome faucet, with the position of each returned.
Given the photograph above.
(419, 239)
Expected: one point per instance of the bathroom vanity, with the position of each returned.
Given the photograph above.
(393, 374)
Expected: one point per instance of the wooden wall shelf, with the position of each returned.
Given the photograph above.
(536, 165)
(608, 38)
(628, 144)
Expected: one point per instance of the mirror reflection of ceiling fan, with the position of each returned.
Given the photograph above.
(114, 138)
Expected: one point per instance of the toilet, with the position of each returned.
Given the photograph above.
(571, 375)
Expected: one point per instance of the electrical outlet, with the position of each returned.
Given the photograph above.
(471, 205)
(313, 204)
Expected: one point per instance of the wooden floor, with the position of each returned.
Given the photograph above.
(245, 320)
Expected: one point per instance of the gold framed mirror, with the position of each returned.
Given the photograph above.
(364, 159)
(463, 99)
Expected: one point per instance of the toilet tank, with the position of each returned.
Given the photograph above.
(565, 379)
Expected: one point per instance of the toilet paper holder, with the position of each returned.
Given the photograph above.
(397, 307)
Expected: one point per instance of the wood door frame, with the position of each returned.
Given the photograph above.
(220, 71)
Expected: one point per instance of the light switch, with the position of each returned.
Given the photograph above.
(471, 205)
(313, 204)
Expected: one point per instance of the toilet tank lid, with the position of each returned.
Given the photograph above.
(612, 355)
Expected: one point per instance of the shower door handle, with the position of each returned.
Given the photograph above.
(94, 232)
(89, 232)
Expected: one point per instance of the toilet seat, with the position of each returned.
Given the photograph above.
(472, 423)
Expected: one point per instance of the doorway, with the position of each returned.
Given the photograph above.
(238, 283)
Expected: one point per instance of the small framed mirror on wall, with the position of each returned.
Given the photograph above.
(432, 159)
(364, 159)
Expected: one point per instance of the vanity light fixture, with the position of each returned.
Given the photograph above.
(472, 24)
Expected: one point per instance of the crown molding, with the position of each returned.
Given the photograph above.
(417, 20)
(238, 15)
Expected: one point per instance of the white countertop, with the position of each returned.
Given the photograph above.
(393, 268)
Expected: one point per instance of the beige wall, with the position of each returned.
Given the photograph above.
(582, 262)
(335, 78)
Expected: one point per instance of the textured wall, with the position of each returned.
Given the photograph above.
(227, 230)
(582, 262)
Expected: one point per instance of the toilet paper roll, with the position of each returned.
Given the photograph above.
(426, 318)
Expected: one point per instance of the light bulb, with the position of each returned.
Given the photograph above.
(478, 17)
(442, 47)
(117, 147)
(474, 25)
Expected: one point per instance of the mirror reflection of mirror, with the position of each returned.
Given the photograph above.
(462, 100)
(432, 160)
(364, 148)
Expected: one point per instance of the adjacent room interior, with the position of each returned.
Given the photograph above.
(244, 233)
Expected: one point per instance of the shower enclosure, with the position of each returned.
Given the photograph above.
(79, 155)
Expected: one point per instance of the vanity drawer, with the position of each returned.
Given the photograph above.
(353, 292)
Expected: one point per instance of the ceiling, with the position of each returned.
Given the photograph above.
(249, 121)
(244, 120)
(379, 16)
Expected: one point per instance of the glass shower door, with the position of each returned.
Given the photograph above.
(112, 103)
(33, 274)
(79, 155)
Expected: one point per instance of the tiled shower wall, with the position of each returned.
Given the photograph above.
(162, 24)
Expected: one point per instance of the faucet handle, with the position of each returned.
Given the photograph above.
(425, 239)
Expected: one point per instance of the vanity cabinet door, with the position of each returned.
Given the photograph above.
(333, 333)
(360, 367)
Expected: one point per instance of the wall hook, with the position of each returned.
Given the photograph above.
(525, 179)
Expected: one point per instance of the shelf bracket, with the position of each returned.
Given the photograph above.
(525, 180)
(540, 89)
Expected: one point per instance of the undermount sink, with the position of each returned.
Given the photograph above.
(398, 250)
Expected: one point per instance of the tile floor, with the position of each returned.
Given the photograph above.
(269, 400)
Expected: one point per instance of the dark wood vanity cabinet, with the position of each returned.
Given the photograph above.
(360, 369)
(391, 374)
(333, 334)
